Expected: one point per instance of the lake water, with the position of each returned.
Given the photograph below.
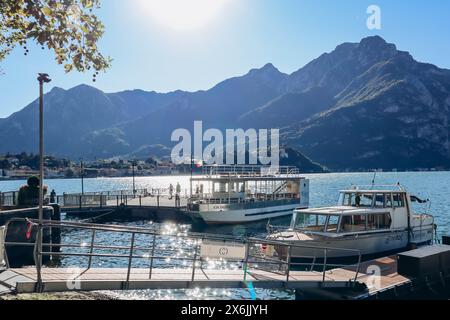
(323, 191)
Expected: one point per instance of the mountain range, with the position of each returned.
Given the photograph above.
(362, 106)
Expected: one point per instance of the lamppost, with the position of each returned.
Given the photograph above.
(82, 175)
(133, 164)
(42, 78)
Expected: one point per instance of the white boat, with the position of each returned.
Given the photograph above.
(371, 221)
(242, 194)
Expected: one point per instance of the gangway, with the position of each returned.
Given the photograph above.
(158, 259)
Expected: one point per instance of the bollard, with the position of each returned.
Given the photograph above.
(55, 232)
(2, 248)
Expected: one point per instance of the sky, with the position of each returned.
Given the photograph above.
(166, 45)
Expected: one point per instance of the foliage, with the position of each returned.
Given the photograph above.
(10, 161)
(68, 27)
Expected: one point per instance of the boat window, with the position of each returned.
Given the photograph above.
(388, 200)
(348, 199)
(356, 200)
(353, 223)
(378, 221)
(333, 224)
(399, 200)
(313, 222)
(379, 200)
(295, 218)
(363, 200)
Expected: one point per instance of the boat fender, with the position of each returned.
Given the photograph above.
(29, 230)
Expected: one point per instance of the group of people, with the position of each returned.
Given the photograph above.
(177, 193)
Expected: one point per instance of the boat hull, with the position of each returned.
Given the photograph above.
(243, 215)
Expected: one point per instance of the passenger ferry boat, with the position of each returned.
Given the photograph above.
(241, 194)
(372, 221)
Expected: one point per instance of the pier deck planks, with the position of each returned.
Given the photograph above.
(64, 279)
(388, 277)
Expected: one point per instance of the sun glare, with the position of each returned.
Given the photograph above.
(184, 15)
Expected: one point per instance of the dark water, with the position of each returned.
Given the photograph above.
(323, 191)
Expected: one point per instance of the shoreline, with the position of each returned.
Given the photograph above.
(196, 174)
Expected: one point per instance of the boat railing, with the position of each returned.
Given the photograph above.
(249, 171)
(152, 247)
(211, 199)
(381, 187)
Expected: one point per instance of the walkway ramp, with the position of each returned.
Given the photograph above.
(247, 260)
(24, 280)
(66, 279)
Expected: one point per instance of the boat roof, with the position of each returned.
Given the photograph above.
(244, 178)
(342, 210)
(371, 191)
(397, 188)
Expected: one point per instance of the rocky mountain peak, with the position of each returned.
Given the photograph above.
(267, 71)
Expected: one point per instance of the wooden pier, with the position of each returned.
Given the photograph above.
(63, 279)
(58, 279)
(251, 264)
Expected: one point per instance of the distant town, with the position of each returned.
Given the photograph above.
(23, 165)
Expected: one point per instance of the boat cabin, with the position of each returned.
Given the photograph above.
(357, 211)
(219, 187)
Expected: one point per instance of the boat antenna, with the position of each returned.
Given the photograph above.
(373, 179)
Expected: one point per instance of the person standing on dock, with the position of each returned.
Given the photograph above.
(170, 192)
(177, 195)
(53, 196)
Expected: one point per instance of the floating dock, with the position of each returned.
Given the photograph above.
(367, 286)
(395, 276)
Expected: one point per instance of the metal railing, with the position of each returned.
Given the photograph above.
(8, 199)
(152, 250)
(262, 197)
(2, 247)
(248, 170)
(137, 192)
(82, 202)
(87, 199)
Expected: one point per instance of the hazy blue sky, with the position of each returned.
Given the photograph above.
(243, 34)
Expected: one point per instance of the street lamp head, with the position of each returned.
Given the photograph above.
(44, 78)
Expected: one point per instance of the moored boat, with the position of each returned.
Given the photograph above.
(371, 220)
(242, 194)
